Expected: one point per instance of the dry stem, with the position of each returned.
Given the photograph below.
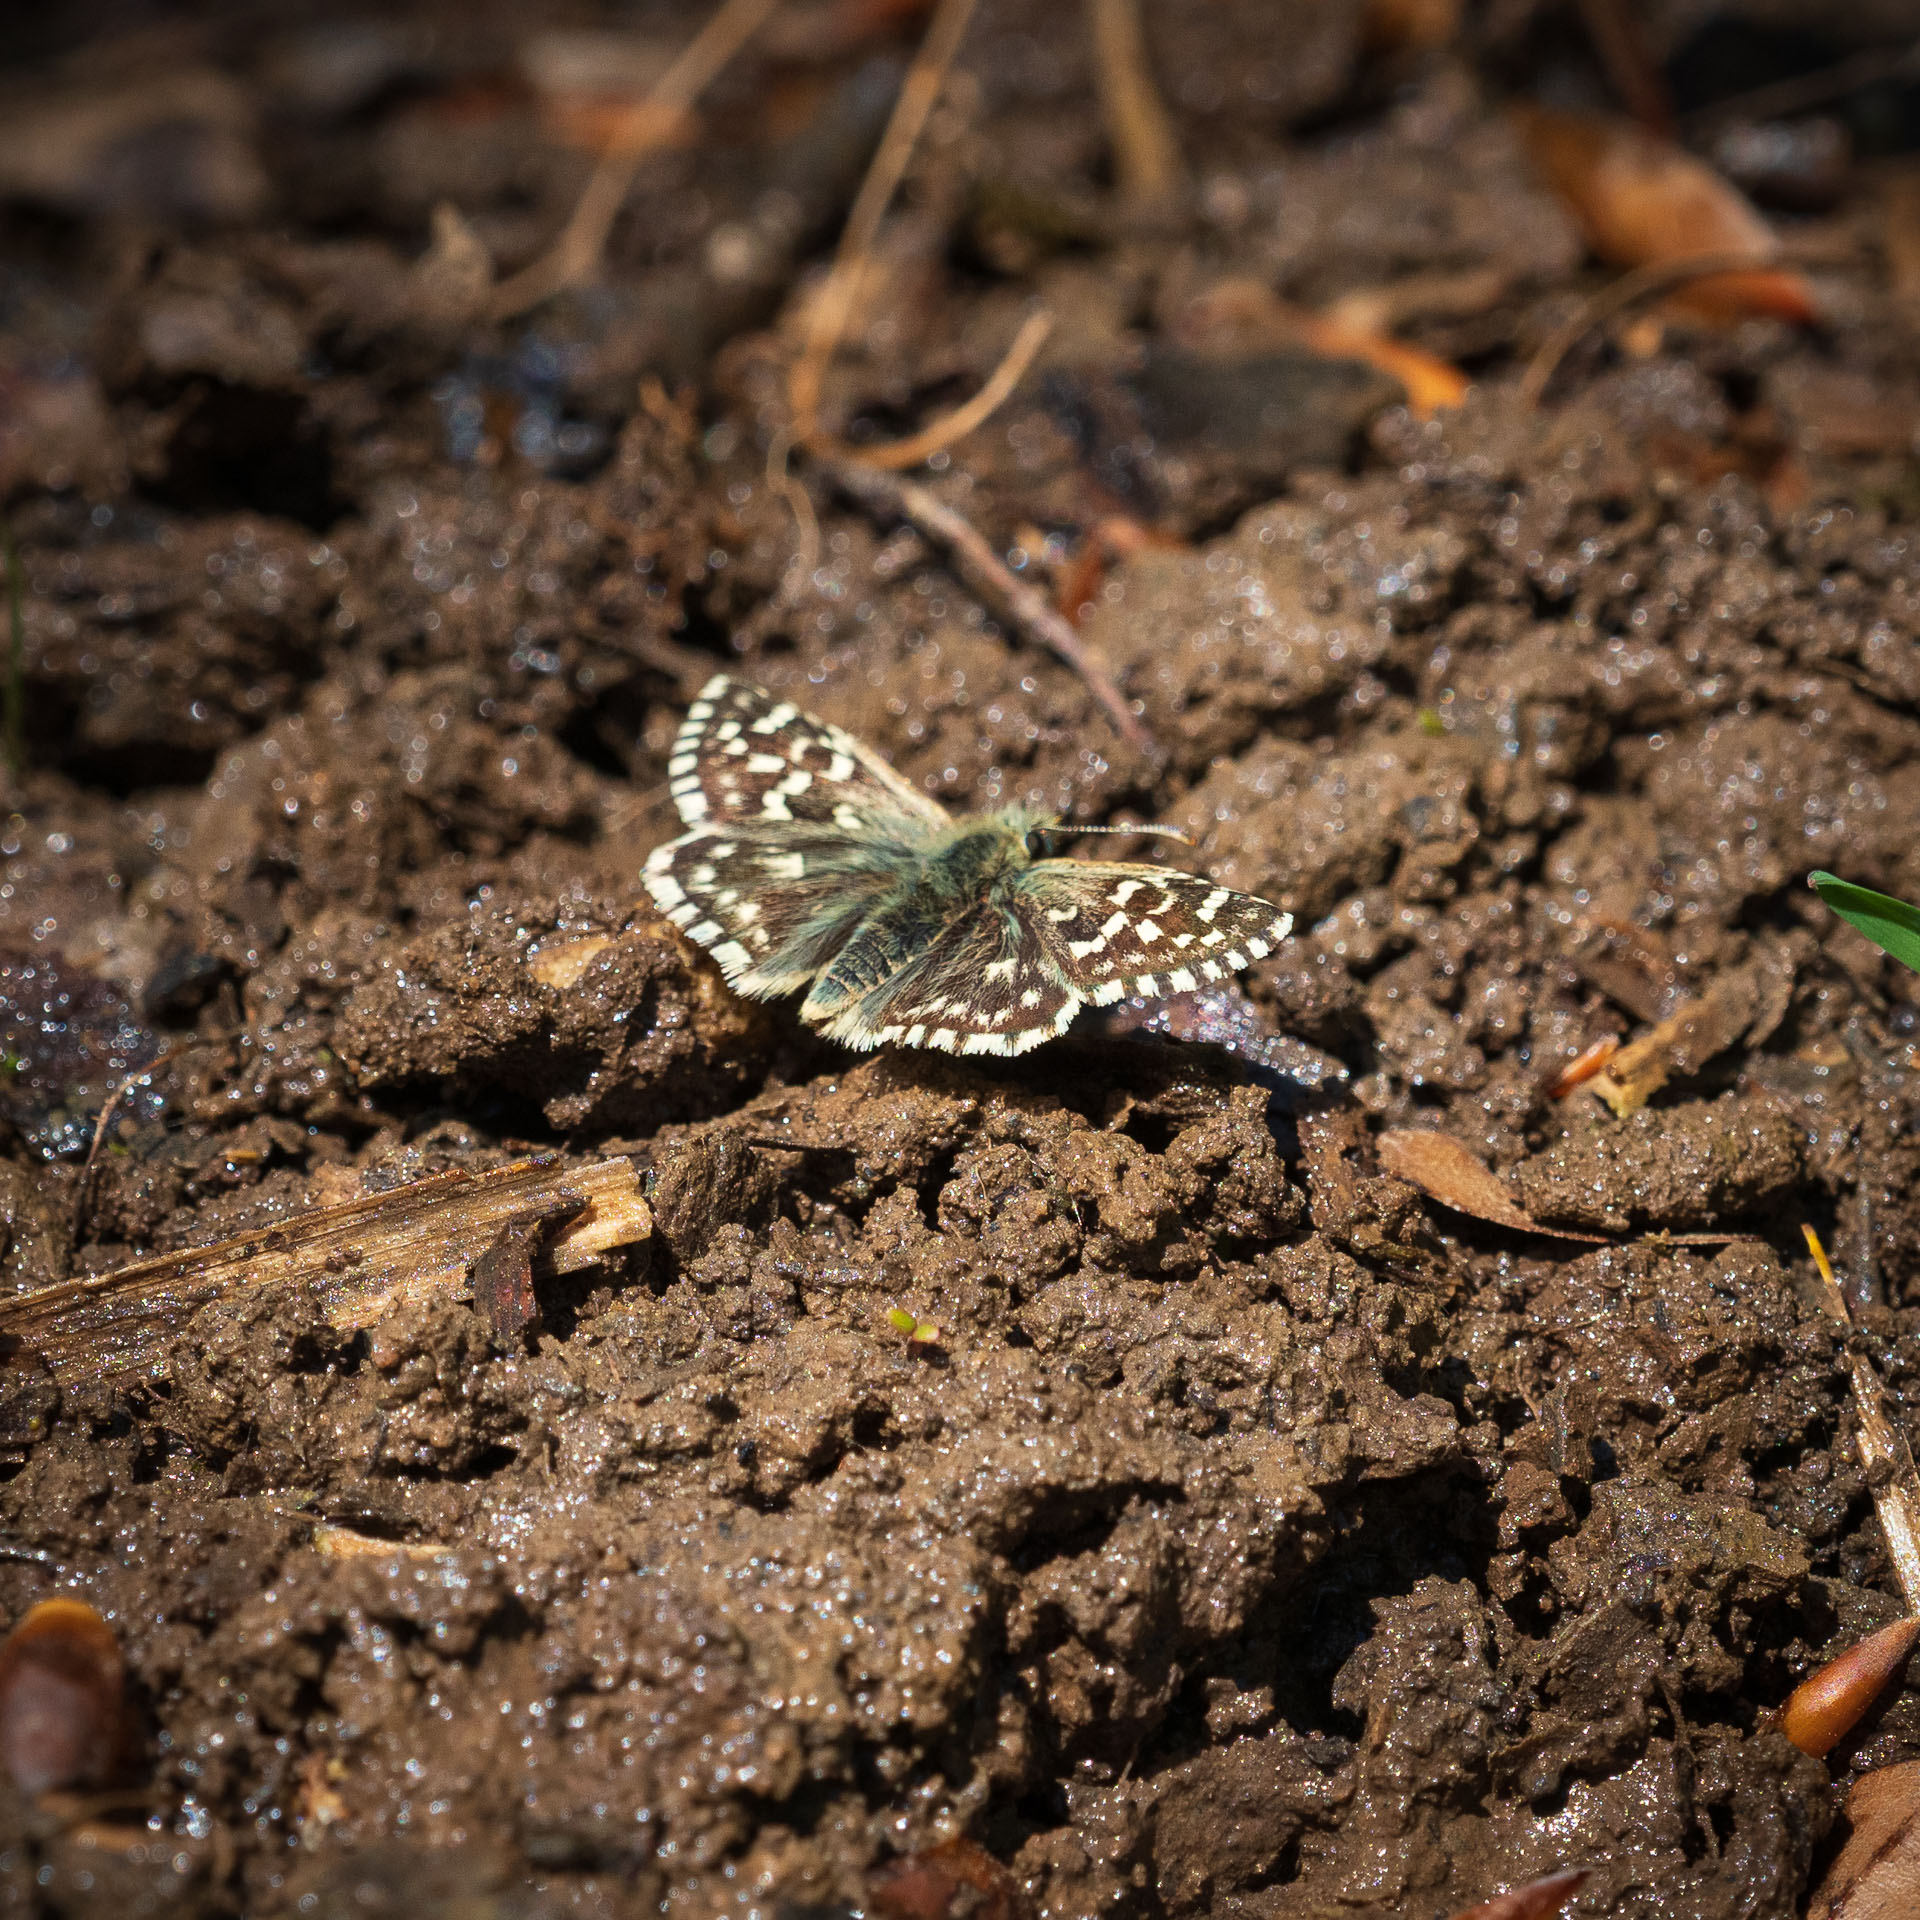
(1146, 150)
(575, 256)
(989, 576)
(1657, 276)
(1884, 1452)
(827, 317)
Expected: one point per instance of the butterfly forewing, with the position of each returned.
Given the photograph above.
(1123, 929)
(745, 756)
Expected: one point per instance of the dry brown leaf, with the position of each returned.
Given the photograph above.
(1444, 1170)
(1876, 1875)
(1640, 199)
(1535, 1901)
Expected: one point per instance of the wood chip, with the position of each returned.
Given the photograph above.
(363, 1257)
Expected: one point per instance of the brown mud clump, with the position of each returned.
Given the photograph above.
(493, 1422)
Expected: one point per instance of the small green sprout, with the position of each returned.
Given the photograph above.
(920, 1333)
(1892, 925)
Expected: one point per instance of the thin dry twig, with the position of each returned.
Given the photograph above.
(941, 433)
(1146, 150)
(83, 1187)
(1884, 1452)
(1657, 276)
(575, 256)
(989, 576)
(833, 306)
(360, 1257)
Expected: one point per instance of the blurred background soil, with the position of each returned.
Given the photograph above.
(1254, 1535)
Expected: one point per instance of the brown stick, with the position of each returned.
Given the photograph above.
(989, 576)
(1146, 150)
(949, 427)
(1657, 276)
(575, 256)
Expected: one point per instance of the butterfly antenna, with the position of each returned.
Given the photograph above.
(1168, 833)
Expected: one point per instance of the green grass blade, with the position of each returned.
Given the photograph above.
(1890, 924)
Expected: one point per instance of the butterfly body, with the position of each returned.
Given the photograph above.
(808, 863)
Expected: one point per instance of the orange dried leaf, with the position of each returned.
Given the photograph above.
(945, 1882)
(1537, 1900)
(1827, 1705)
(1876, 1875)
(1583, 1066)
(1641, 199)
(1431, 383)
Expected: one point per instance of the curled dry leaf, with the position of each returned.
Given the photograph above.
(1583, 1066)
(944, 1883)
(1444, 1170)
(1827, 1705)
(1876, 1875)
(63, 1699)
(1537, 1900)
(1640, 199)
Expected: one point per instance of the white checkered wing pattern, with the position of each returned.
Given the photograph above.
(744, 756)
(794, 830)
(988, 983)
(1118, 930)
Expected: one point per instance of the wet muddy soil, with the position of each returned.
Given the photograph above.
(1097, 1458)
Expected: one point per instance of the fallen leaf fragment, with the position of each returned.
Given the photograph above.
(945, 1883)
(1640, 199)
(1583, 1066)
(1432, 384)
(1876, 1875)
(1827, 1705)
(1537, 1900)
(1240, 314)
(1444, 1170)
(503, 1274)
(64, 1719)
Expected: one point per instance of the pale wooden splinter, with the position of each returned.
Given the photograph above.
(362, 1258)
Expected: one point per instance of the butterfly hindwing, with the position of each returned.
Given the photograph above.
(744, 756)
(773, 904)
(1127, 929)
(987, 982)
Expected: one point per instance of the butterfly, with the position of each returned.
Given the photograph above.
(809, 864)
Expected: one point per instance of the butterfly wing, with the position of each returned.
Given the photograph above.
(987, 982)
(795, 832)
(1118, 928)
(742, 755)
